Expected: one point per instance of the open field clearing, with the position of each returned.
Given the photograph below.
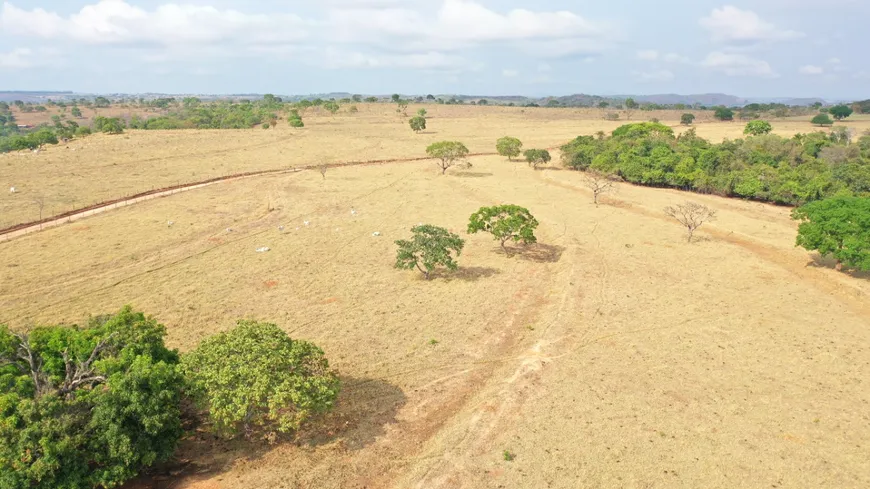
(100, 168)
(612, 354)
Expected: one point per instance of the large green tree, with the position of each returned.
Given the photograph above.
(822, 120)
(84, 407)
(840, 111)
(505, 223)
(537, 157)
(430, 247)
(509, 146)
(838, 226)
(447, 153)
(724, 114)
(757, 128)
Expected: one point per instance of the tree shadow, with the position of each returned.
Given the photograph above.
(465, 274)
(471, 174)
(363, 410)
(538, 252)
(830, 263)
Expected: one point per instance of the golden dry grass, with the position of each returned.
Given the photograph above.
(101, 168)
(611, 355)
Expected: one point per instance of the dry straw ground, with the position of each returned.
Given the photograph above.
(613, 354)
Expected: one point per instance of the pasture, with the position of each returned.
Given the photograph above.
(611, 354)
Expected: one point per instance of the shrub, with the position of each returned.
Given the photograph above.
(509, 146)
(687, 119)
(256, 377)
(418, 123)
(86, 407)
(505, 223)
(757, 128)
(447, 152)
(353, 109)
(422, 112)
(691, 215)
(331, 107)
(108, 125)
(838, 226)
(430, 247)
(611, 116)
(822, 120)
(537, 157)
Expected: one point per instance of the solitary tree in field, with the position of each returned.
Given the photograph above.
(840, 112)
(402, 107)
(257, 377)
(422, 112)
(630, 107)
(429, 248)
(505, 223)
(757, 128)
(840, 227)
(822, 120)
(687, 119)
(447, 152)
(599, 184)
(724, 114)
(691, 215)
(537, 157)
(509, 146)
(76, 112)
(418, 123)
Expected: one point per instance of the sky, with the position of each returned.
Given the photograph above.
(758, 48)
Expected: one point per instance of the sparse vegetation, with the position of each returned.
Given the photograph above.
(418, 123)
(430, 247)
(505, 223)
(599, 184)
(691, 215)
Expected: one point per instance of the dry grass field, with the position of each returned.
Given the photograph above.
(101, 167)
(612, 354)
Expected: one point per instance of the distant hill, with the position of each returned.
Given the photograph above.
(27, 96)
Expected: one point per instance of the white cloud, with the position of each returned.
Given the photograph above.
(117, 22)
(335, 59)
(738, 65)
(459, 24)
(510, 73)
(730, 24)
(653, 76)
(675, 58)
(834, 61)
(17, 59)
(811, 70)
(648, 55)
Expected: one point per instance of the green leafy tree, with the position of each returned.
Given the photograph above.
(331, 107)
(294, 119)
(537, 157)
(838, 226)
(396, 98)
(447, 152)
(603, 104)
(724, 114)
(102, 102)
(422, 112)
(430, 97)
(418, 123)
(840, 112)
(687, 119)
(430, 247)
(357, 98)
(371, 100)
(402, 107)
(255, 377)
(84, 407)
(505, 223)
(822, 120)
(509, 146)
(757, 128)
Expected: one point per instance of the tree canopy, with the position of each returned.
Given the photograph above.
(509, 146)
(418, 123)
(687, 119)
(430, 247)
(822, 120)
(840, 111)
(255, 377)
(505, 223)
(537, 157)
(88, 406)
(838, 226)
(757, 128)
(724, 114)
(447, 152)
